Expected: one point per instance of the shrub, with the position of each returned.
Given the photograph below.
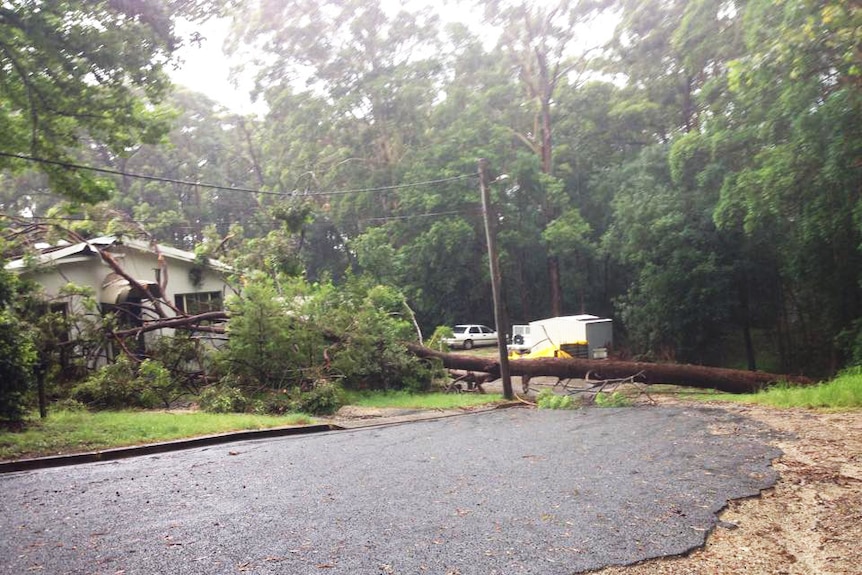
(615, 399)
(114, 386)
(547, 399)
(156, 383)
(185, 359)
(223, 399)
(292, 334)
(17, 359)
(278, 403)
(69, 405)
(323, 399)
(269, 345)
(124, 384)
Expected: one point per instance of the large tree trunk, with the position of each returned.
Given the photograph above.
(728, 380)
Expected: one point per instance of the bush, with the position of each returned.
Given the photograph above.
(322, 399)
(156, 383)
(269, 346)
(17, 359)
(292, 334)
(114, 386)
(278, 403)
(223, 399)
(124, 384)
(615, 399)
(69, 405)
(184, 358)
(547, 399)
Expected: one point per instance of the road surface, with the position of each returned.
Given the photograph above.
(503, 492)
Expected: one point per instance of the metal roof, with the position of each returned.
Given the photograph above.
(54, 255)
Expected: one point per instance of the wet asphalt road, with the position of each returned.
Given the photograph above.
(504, 492)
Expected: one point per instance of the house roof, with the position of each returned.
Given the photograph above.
(53, 255)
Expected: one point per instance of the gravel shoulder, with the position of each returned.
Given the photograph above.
(810, 522)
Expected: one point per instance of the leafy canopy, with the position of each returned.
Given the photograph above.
(77, 69)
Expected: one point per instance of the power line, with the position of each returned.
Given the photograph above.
(395, 186)
(73, 166)
(185, 225)
(414, 216)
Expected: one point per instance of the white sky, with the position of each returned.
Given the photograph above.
(206, 69)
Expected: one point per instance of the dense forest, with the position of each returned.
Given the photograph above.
(696, 176)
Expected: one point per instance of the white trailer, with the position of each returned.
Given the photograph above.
(584, 335)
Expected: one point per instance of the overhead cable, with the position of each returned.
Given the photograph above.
(73, 166)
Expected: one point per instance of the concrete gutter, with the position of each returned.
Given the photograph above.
(161, 447)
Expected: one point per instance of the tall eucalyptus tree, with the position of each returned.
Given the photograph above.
(539, 43)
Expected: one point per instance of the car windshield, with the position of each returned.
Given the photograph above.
(460, 329)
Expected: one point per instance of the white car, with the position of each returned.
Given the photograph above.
(467, 336)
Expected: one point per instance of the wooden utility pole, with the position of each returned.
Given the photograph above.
(491, 239)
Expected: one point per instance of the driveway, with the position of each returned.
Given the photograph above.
(508, 491)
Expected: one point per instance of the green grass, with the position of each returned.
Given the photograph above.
(76, 431)
(842, 393)
(405, 400)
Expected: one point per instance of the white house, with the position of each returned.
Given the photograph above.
(175, 276)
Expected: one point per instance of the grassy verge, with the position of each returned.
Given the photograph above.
(76, 431)
(843, 392)
(405, 400)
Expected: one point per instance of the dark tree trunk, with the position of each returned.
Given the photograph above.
(556, 286)
(727, 380)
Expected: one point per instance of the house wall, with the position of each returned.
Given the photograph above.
(143, 266)
(83, 271)
(91, 272)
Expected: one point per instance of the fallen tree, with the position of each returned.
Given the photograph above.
(699, 376)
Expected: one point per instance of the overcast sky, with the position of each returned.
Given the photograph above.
(206, 69)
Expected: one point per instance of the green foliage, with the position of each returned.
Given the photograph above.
(307, 335)
(157, 383)
(444, 273)
(17, 360)
(223, 399)
(680, 297)
(322, 399)
(547, 399)
(18, 354)
(76, 70)
(850, 343)
(441, 332)
(371, 323)
(269, 348)
(615, 399)
(114, 386)
(125, 384)
(185, 359)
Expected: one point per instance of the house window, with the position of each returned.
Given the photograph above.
(197, 303)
